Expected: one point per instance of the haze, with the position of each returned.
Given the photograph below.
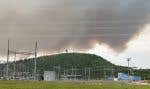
(77, 24)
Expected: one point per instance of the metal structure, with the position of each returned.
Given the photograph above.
(14, 62)
(35, 63)
(128, 60)
(7, 65)
(10, 72)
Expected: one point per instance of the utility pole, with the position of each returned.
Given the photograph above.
(67, 73)
(128, 60)
(58, 69)
(14, 65)
(104, 74)
(72, 72)
(89, 70)
(113, 73)
(59, 72)
(75, 73)
(85, 73)
(7, 66)
(64, 74)
(35, 63)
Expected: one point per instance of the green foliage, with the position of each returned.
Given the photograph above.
(75, 60)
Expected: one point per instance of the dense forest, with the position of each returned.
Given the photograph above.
(84, 65)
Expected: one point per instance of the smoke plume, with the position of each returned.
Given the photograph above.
(58, 24)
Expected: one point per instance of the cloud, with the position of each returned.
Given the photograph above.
(58, 24)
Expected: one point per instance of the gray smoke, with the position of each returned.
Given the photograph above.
(59, 24)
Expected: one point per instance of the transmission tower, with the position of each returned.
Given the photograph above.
(7, 64)
(128, 60)
(35, 61)
(14, 65)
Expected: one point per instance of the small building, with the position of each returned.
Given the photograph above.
(49, 76)
(125, 77)
(135, 78)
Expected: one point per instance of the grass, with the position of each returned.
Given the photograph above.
(66, 85)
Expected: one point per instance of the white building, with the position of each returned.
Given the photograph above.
(49, 76)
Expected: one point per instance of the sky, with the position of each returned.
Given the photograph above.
(114, 29)
(138, 50)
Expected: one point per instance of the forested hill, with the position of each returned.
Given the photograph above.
(78, 60)
(66, 61)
